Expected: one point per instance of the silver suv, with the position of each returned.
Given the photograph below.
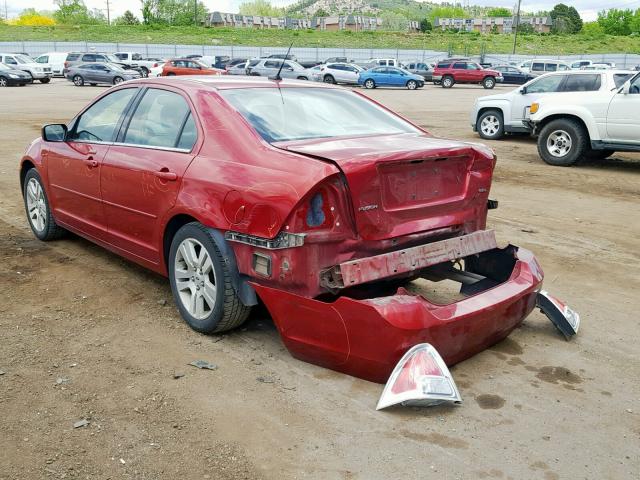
(267, 67)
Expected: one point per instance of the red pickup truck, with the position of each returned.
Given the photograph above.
(452, 71)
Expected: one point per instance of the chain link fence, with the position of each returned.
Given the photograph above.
(621, 60)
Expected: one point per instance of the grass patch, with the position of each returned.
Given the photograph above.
(458, 43)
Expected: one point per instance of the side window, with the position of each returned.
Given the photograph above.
(546, 84)
(526, 65)
(136, 56)
(460, 66)
(582, 83)
(89, 57)
(42, 59)
(635, 86)
(121, 56)
(193, 65)
(620, 78)
(72, 57)
(10, 61)
(157, 120)
(443, 65)
(189, 134)
(99, 122)
(537, 67)
(271, 64)
(551, 67)
(563, 68)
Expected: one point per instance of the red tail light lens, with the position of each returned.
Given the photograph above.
(421, 378)
(155, 65)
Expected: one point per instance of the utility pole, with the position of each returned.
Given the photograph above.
(6, 11)
(108, 13)
(195, 12)
(515, 37)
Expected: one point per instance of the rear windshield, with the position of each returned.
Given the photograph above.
(305, 113)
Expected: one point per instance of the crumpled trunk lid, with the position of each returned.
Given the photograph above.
(409, 183)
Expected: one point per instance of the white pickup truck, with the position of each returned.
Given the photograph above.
(147, 67)
(570, 127)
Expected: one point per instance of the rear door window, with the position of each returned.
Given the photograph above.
(582, 83)
(537, 67)
(443, 65)
(89, 57)
(158, 119)
(460, 66)
(272, 64)
(551, 67)
(547, 84)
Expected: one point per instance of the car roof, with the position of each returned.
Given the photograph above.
(224, 82)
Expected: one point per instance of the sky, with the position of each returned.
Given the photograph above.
(588, 8)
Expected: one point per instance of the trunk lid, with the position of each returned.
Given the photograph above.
(408, 183)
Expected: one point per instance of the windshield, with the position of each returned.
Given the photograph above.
(112, 58)
(116, 68)
(304, 113)
(23, 59)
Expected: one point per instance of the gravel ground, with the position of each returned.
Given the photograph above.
(88, 336)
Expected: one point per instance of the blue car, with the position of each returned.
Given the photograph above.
(390, 77)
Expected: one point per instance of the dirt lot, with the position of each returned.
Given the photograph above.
(86, 335)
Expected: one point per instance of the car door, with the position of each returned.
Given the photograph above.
(460, 72)
(350, 74)
(623, 120)
(521, 102)
(143, 170)
(73, 166)
(103, 73)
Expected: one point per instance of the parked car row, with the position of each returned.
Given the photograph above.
(569, 125)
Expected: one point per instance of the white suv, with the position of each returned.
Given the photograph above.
(494, 115)
(17, 61)
(572, 127)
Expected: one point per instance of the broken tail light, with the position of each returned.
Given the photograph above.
(561, 315)
(421, 378)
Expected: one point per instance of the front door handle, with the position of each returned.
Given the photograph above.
(90, 162)
(165, 174)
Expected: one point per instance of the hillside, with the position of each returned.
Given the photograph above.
(458, 43)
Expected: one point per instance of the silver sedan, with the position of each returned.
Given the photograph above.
(95, 73)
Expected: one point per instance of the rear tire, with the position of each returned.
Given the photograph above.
(45, 80)
(202, 283)
(38, 210)
(78, 81)
(448, 82)
(563, 142)
(369, 84)
(144, 72)
(329, 79)
(490, 125)
(488, 83)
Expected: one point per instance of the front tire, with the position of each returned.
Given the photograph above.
(412, 85)
(369, 84)
(78, 81)
(118, 80)
(201, 282)
(563, 142)
(488, 83)
(448, 82)
(45, 80)
(329, 79)
(3, 82)
(490, 125)
(144, 72)
(36, 205)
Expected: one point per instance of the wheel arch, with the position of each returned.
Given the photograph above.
(25, 166)
(483, 110)
(591, 131)
(240, 283)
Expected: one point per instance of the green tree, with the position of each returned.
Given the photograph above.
(592, 28)
(394, 21)
(75, 12)
(127, 18)
(499, 12)
(616, 22)
(525, 29)
(173, 12)
(425, 25)
(565, 19)
(260, 7)
(447, 12)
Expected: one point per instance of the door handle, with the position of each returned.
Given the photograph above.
(165, 174)
(90, 162)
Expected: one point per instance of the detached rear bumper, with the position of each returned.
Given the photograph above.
(366, 337)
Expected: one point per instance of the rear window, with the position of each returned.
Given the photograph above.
(443, 65)
(72, 57)
(305, 113)
(582, 83)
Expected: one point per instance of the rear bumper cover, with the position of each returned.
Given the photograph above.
(366, 337)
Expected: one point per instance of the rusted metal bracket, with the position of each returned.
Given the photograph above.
(363, 270)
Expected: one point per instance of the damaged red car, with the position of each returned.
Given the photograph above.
(313, 199)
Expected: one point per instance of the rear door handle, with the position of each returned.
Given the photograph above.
(90, 162)
(165, 174)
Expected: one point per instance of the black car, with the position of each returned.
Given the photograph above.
(513, 75)
(10, 76)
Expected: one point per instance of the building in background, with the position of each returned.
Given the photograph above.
(353, 22)
(493, 24)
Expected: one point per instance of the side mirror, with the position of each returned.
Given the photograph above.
(626, 88)
(523, 90)
(55, 132)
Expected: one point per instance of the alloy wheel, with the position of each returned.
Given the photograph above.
(490, 125)
(195, 278)
(36, 205)
(412, 85)
(559, 143)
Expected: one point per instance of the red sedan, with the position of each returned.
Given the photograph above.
(245, 189)
(188, 66)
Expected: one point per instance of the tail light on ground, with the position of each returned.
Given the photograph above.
(561, 315)
(421, 378)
